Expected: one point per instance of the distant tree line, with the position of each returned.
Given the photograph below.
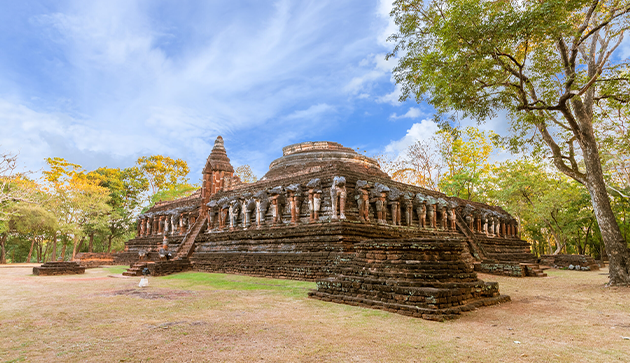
(555, 212)
(70, 210)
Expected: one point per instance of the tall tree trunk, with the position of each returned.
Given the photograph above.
(30, 252)
(81, 244)
(616, 247)
(3, 252)
(54, 247)
(90, 246)
(63, 252)
(588, 231)
(38, 250)
(559, 243)
(74, 247)
(109, 243)
(45, 254)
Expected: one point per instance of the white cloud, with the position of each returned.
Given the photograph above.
(384, 8)
(378, 68)
(130, 80)
(391, 98)
(36, 135)
(311, 113)
(413, 112)
(423, 130)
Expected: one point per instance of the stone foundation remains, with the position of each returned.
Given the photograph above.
(59, 268)
(579, 262)
(421, 278)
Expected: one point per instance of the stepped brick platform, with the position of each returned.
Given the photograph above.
(163, 268)
(59, 268)
(136, 269)
(513, 269)
(315, 214)
(307, 252)
(585, 262)
(159, 268)
(421, 278)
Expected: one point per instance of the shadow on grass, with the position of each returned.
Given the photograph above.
(204, 280)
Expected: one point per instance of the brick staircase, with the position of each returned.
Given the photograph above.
(475, 248)
(533, 269)
(187, 246)
(135, 269)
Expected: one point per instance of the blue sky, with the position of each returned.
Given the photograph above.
(101, 83)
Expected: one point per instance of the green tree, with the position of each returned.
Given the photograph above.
(126, 190)
(163, 172)
(549, 205)
(78, 201)
(175, 192)
(245, 173)
(466, 155)
(545, 62)
(36, 223)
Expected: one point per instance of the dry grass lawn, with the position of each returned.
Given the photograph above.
(194, 317)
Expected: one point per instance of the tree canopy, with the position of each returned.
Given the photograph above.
(546, 63)
(163, 172)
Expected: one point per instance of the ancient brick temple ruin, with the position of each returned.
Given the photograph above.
(325, 213)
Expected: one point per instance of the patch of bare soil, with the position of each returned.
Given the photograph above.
(568, 317)
(150, 294)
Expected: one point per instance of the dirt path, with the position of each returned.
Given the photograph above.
(567, 317)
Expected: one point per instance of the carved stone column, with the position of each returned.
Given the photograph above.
(223, 216)
(212, 213)
(381, 212)
(259, 216)
(295, 212)
(274, 209)
(314, 204)
(444, 217)
(484, 219)
(231, 216)
(161, 225)
(140, 227)
(500, 228)
(363, 202)
(182, 226)
(431, 215)
(338, 197)
(408, 213)
(421, 211)
(246, 211)
(395, 208)
(233, 213)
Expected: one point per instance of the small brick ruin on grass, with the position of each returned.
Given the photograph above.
(59, 268)
(325, 213)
